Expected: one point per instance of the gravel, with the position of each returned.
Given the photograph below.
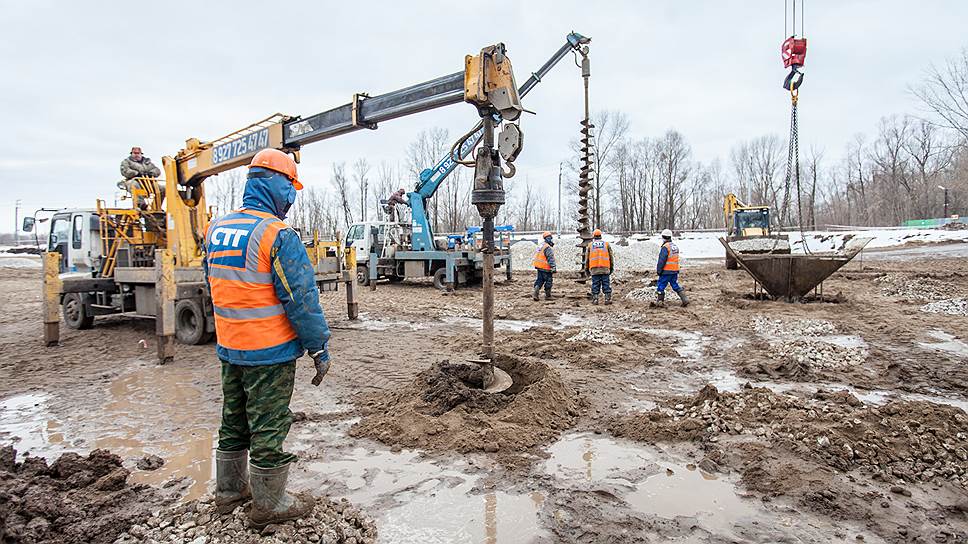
(197, 522)
(760, 245)
(772, 328)
(599, 336)
(914, 289)
(951, 306)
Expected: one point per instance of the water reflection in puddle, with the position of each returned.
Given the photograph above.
(649, 481)
(418, 500)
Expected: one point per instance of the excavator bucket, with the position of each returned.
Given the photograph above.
(793, 276)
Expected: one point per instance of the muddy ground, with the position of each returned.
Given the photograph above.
(732, 420)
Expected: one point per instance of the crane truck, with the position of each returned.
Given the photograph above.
(398, 250)
(744, 222)
(146, 260)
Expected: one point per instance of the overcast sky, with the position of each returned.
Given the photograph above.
(81, 82)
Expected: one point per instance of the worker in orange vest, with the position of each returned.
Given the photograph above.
(544, 263)
(667, 268)
(267, 315)
(599, 262)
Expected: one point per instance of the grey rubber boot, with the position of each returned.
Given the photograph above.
(548, 295)
(659, 301)
(231, 480)
(271, 503)
(683, 297)
(595, 299)
(534, 294)
(608, 298)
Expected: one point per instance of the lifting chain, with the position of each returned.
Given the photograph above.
(793, 162)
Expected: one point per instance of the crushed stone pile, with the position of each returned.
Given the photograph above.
(760, 245)
(75, 499)
(444, 408)
(913, 288)
(635, 256)
(906, 440)
(197, 522)
(951, 306)
(642, 294)
(774, 328)
(599, 336)
(818, 354)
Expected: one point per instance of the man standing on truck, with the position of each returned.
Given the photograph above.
(667, 268)
(138, 166)
(267, 315)
(544, 263)
(599, 263)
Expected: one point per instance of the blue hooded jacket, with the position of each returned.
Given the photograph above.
(292, 277)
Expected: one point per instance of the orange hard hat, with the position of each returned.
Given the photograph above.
(598, 232)
(545, 234)
(273, 159)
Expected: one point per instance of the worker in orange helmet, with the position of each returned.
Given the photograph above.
(267, 315)
(599, 263)
(544, 263)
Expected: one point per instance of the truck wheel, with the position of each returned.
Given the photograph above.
(190, 322)
(363, 275)
(75, 312)
(440, 279)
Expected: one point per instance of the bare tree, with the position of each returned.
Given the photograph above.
(944, 92)
(361, 173)
(423, 153)
(343, 192)
(228, 188)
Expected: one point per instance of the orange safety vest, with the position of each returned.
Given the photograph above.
(248, 314)
(540, 260)
(672, 262)
(598, 255)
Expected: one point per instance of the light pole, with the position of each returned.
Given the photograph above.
(560, 166)
(945, 189)
(16, 223)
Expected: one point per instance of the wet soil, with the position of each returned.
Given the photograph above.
(595, 451)
(75, 499)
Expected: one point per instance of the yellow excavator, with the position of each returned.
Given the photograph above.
(145, 261)
(745, 222)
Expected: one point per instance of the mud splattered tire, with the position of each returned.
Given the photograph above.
(440, 279)
(363, 275)
(75, 312)
(190, 323)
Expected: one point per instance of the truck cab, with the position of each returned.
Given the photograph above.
(74, 233)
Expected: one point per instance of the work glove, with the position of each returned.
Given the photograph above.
(321, 362)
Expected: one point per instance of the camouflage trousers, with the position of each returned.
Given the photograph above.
(255, 411)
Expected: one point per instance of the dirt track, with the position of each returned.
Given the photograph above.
(616, 439)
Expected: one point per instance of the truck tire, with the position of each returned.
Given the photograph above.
(440, 279)
(363, 275)
(75, 311)
(190, 322)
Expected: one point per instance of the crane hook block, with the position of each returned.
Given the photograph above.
(793, 51)
(489, 83)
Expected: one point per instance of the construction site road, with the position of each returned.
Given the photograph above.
(732, 420)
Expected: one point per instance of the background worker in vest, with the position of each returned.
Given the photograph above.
(600, 263)
(544, 263)
(267, 315)
(667, 268)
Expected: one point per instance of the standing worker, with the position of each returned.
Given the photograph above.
(600, 263)
(267, 315)
(544, 263)
(137, 165)
(667, 268)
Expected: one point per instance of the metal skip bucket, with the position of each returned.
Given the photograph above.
(793, 276)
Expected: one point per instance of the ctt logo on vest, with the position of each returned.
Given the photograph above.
(225, 236)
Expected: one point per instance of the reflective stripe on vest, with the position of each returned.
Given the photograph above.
(540, 259)
(672, 262)
(598, 255)
(248, 314)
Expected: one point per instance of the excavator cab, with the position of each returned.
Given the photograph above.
(752, 222)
